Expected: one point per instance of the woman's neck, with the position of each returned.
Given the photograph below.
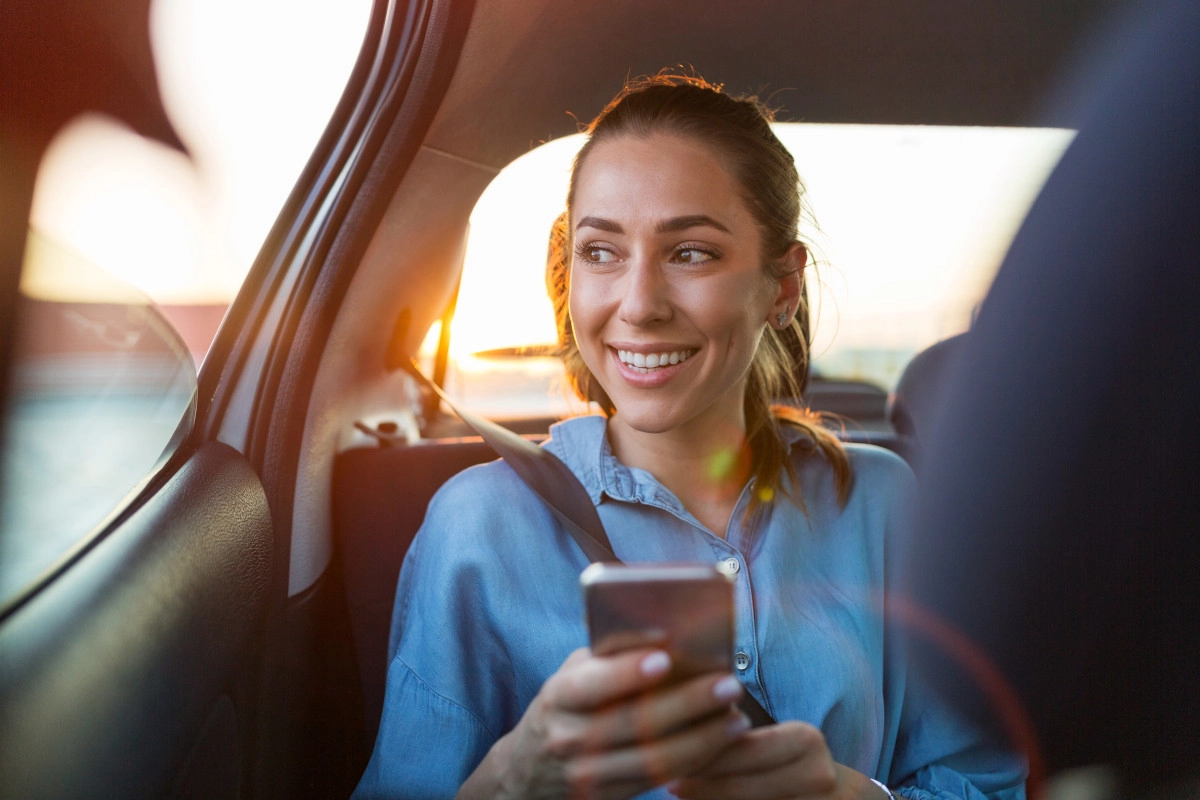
(705, 466)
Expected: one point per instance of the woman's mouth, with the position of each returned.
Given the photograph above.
(648, 362)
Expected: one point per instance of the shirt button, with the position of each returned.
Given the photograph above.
(741, 660)
(729, 566)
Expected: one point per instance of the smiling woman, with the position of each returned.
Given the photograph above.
(678, 266)
(663, 242)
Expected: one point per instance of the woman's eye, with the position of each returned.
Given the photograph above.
(693, 255)
(597, 255)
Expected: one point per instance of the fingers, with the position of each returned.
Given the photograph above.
(767, 748)
(585, 682)
(609, 727)
(778, 761)
(653, 763)
(652, 716)
(633, 719)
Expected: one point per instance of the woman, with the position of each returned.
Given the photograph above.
(679, 302)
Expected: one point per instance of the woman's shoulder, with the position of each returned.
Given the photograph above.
(884, 488)
(480, 483)
(877, 471)
(877, 475)
(482, 500)
(480, 525)
(877, 462)
(575, 441)
(867, 461)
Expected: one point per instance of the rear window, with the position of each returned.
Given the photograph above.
(909, 225)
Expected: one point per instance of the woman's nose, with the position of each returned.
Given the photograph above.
(645, 298)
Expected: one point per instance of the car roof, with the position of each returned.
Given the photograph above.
(528, 66)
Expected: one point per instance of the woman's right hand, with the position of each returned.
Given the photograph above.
(606, 727)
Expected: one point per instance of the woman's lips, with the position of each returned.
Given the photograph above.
(667, 363)
(649, 361)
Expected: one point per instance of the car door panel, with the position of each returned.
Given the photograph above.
(122, 681)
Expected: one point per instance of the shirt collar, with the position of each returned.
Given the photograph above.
(582, 444)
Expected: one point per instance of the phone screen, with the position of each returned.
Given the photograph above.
(685, 609)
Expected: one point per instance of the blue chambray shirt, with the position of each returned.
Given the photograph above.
(489, 605)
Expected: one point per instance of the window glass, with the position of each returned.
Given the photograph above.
(101, 385)
(136, 250)
(249, 86)
(908, 223)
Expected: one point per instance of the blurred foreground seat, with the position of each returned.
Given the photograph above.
(1059, 524)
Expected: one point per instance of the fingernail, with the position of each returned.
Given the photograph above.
(738, 725)
(727, 689)
(655, 664)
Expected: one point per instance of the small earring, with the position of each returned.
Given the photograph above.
(782, 318)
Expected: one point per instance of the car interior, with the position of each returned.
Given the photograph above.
(224, 632)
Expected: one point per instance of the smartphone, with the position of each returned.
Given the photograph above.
(686, 609)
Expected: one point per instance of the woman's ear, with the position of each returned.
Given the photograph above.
(787, 301)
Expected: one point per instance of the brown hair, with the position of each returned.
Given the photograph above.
(739, 131)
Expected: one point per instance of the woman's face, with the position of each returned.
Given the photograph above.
(668, 294)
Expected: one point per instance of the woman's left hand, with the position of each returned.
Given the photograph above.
(788, 760)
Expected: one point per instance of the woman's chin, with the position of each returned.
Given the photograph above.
(646, 418)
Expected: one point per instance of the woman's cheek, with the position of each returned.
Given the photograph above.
(584, 308)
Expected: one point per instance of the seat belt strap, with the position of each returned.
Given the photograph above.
(546, 474)
(560, 489)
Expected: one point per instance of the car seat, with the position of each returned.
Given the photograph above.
(1059, 519)
(916, 403)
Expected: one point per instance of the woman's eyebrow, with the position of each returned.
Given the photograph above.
(600, 224)
(676, 224)
(673, 225)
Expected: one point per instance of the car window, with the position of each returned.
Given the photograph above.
(908, 223)
(136, 251)
(101, 387)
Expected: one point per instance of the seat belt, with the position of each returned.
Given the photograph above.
(546, 474)
(559, 488)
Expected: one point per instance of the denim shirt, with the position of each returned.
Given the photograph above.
(489, 605)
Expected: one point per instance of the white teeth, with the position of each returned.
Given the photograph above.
(653, 360)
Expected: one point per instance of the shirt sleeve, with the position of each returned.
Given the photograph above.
(937, 755)
(941, 757)
(413, 756)
(444, 674)
(463, 625)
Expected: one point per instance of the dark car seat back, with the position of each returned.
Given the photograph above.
(916, 403)
(1059, 511)
(380, 495)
